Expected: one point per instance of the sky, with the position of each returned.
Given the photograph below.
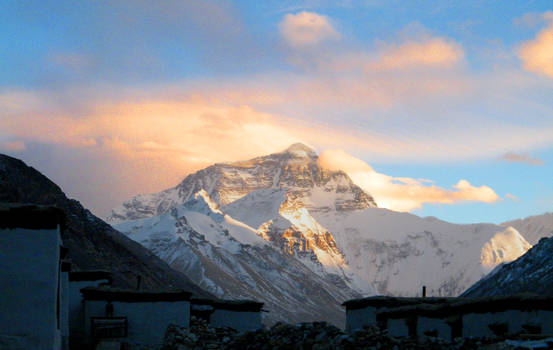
(437, 108)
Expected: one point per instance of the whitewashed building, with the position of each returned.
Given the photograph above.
(463, 317)
(202, 308)
(363, 312)
(32, 292)
(137, 318)
(64, 302)
(242, 315)
(77, 322)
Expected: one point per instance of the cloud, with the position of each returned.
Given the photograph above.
(533, 19)
(431, 52)
(193, 132)
(400, 193)
(514, 157)
(12, 146)
(307, 29)
(537, 54)
(70, 60)
(512, 197)
(176, 131)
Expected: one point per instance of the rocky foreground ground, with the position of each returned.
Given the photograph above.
(318, 335)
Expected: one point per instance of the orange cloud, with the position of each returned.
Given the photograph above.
(432, 52)
(399, 193)
(306, 29)
(537, 54)
(191, 132)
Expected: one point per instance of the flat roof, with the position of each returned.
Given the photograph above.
(463, 305)
(30, 216)
(229, 304)
(90, 275)
(129, 295)
(238, 305)
(389, 302)
(65, 266)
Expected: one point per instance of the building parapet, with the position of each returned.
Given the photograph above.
(126, 295)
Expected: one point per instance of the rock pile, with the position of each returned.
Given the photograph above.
(198, 336)
(323, 336)
(303, 336)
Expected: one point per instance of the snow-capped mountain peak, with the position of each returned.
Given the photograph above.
(250, 221)
(296, 170)
(300, 150)
(503, 247)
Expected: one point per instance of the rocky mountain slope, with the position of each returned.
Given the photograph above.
(92, 243)
(531, 273)
(229, 259)
(318, 220)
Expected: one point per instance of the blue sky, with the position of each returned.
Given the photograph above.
(447, 105)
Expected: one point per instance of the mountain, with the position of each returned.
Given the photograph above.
(531, 273)
(317, 221)
(533, 228)
(92, 243)
(296, 169)
(229, 259)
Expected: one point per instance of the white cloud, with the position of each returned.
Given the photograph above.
(429, 52)
(307, 29)
(400, 193)
(537, 54)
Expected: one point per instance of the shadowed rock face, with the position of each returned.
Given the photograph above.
(92, 243)
(531, 273)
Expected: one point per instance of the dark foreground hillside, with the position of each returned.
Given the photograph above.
(92, 243)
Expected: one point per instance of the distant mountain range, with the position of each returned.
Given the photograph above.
(302, 238)
(92, 243)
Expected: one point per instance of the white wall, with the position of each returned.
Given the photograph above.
(148, 321)
(29, 272)
(77, 328)
(476, 324)
(425, 324)
(397, 327)
(356, 319)
(65, 310)
(240, 320)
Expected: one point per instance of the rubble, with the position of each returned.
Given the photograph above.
(198, 336)
(314, 336)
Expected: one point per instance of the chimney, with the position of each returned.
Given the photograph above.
(424, 291)
(138, 280)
